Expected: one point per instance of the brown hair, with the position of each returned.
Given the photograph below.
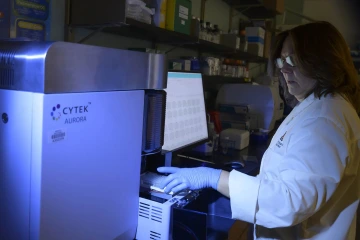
(322, 54)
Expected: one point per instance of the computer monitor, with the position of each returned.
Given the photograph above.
(185, 118)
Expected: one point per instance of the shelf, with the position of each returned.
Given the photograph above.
(136, 29)
(222, 80)
(250, 57)
(206, 46)
(253, 9)
(139, 30)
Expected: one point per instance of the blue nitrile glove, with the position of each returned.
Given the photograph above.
(189, 178)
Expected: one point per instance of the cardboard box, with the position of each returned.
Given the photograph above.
(230, 40)
(256, 49)
(178, 16)
(25, 19)
(255, 32)
(255, 40)
(275, 5)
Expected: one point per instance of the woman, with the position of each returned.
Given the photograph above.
(308, 186)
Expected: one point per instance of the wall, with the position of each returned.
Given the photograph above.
(57, 20)
(340, 13)
(291, 19)
(218, 12)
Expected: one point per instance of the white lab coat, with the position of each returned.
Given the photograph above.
(308, 185)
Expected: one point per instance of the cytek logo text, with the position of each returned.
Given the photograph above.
(75, 114)
(75, 110)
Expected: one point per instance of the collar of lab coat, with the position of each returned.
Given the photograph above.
(306, 102)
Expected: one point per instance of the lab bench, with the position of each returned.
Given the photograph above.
(214, 205)
(209, 216)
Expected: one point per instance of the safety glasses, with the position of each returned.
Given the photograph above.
(289, 60)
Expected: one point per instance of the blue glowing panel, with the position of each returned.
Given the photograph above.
(15, 162)
(91, 165)
(70, 165)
